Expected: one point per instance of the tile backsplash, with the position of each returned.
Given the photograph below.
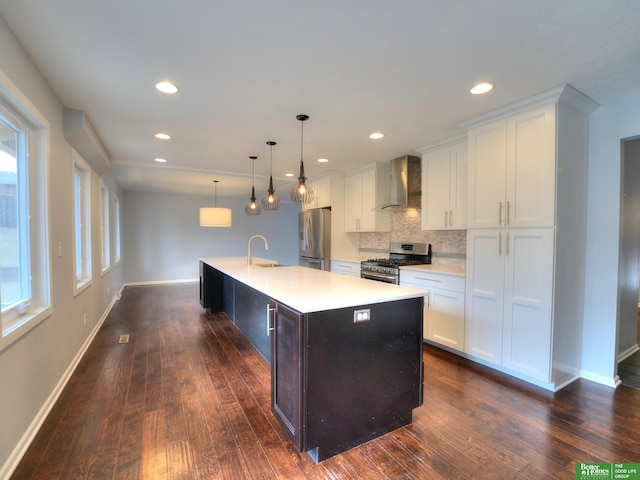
(448, 246)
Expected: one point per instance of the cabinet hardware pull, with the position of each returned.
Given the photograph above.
(507, 246)
(446, 218)
(429, 279)
(500, 206)
(428, 295)
(500, 244)
(269, 327)
(508, 213)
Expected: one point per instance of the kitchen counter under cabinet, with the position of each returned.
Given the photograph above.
(346, 353)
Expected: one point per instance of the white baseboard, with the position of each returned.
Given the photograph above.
(627, 353)
(18, 452)
(161, 282)
(613, 382)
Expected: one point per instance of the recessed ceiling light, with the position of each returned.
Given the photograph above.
(160, 160)
(481, 88)
(163, 136)
(167, 87)
(376, 135)
(323, 160)
(289, 175)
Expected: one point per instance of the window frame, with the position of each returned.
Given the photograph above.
(85, 279)
(117, 230)
(16, 322)
(105, 257)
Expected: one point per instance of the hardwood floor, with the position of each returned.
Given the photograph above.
(189, 398)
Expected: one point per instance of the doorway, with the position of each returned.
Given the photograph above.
(628, 336)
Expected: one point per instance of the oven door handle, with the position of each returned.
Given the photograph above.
(381, 277)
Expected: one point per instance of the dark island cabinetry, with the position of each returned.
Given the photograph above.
(345, 353)
(211, 287)
(343, 377)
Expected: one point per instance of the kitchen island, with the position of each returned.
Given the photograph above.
(345, 353)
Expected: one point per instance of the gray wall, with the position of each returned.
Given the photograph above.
(607, 127)
(163, 240)
(34, 366)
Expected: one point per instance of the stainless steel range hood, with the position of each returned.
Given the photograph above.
(405, 189)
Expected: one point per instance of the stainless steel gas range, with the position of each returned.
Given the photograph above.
(400, 255)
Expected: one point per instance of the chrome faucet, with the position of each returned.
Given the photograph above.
(266, 246)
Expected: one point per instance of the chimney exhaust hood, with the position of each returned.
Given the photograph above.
(406, 183)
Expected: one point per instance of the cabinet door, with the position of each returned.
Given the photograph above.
(314, 202)
(436, 176)
(484, 294)
(445, 324)
(352, 203)
(286, 370)
(458, 187)
(487, 175)
(531, 166)
(368, 202)
(527, 303)
(323, 192)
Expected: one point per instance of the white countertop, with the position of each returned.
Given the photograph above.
(446, 269)
(308, 290)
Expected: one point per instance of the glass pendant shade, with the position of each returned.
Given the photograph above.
(215, 216)
(253, 208)
(271, 201)
(301, 194)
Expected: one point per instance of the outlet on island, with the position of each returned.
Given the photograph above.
(363, 315)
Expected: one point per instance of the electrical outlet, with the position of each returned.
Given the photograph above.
(84, 318)
(363, 315)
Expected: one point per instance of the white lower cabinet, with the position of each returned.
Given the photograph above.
(346, 267)
(443, 305)
(509, 299)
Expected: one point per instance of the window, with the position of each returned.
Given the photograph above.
(116, 225)
(82, 223)
(104, 226)
(24, 241)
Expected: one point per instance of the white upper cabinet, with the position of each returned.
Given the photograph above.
(444, 187)
(364, 191)
(321, 188)
(512, 165)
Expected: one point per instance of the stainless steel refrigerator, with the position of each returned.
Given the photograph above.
(314, 238)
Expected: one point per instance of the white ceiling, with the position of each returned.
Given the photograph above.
(247, 68)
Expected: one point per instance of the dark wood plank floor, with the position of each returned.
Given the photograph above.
(189, 398)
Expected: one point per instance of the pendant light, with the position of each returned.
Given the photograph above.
(214, 216)
(301, 194)
(253, 208)
(271, 201)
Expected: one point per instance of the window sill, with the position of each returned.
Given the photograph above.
(21, 325)
(81, 286)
